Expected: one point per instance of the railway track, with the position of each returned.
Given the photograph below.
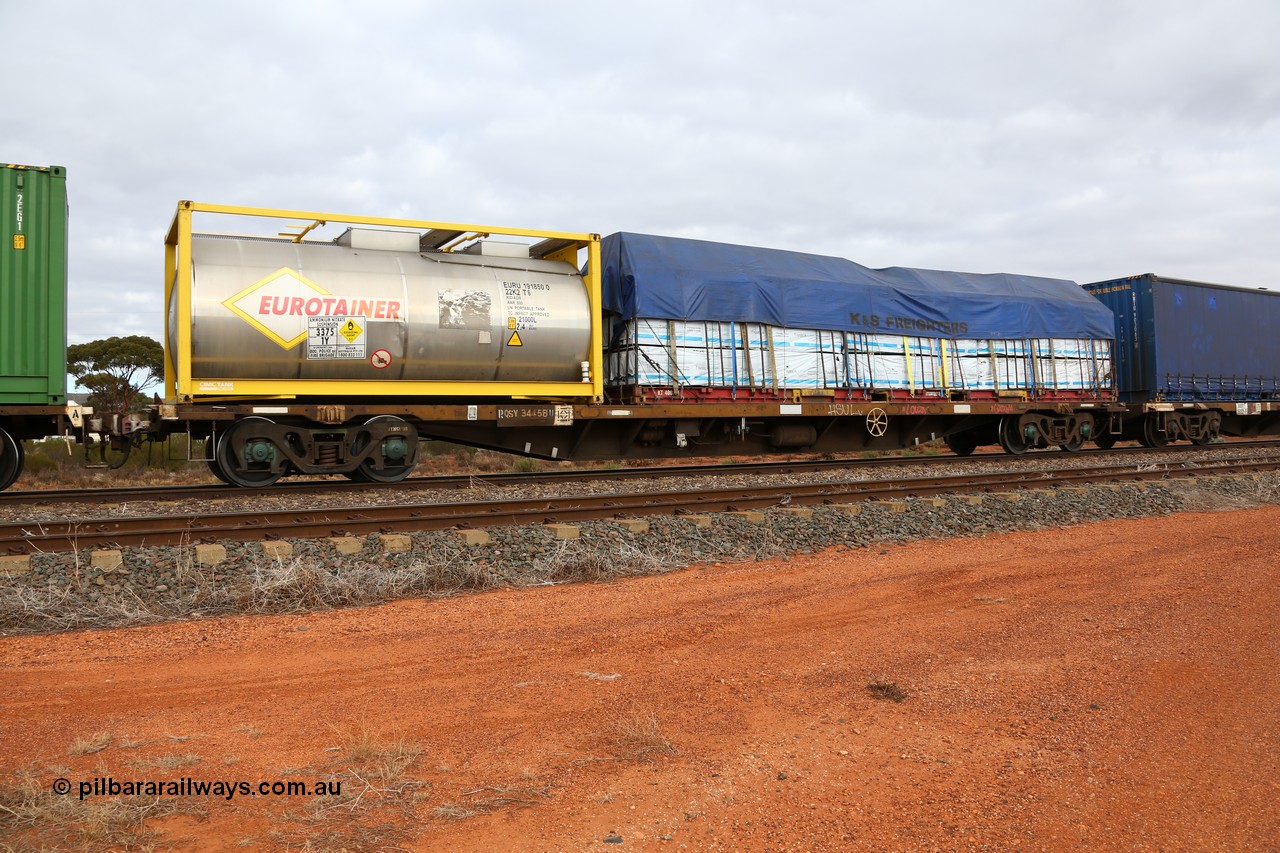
(210, 491)
(184, 528)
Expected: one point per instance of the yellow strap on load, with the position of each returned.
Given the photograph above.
(906, 352)
(943, 350)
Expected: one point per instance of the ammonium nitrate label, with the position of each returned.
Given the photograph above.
(336, 337)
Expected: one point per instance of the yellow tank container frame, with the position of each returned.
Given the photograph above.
(389, 308)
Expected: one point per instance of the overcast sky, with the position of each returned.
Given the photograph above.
(1083, 139)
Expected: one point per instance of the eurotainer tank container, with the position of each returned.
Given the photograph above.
(691, 314)
(1180, 340)
(33, 284)
(387, 308)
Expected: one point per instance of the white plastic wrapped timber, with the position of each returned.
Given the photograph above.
(704, 354)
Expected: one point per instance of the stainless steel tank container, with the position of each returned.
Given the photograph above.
(370, 306)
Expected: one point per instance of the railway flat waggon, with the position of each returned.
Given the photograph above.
(868, 357)
(289, 352)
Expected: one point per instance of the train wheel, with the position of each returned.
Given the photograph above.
(215, 467)
(216, 470)
(1151, 436)
(1209, 433)
(394, 449)
(12, 457)
(1105, 440)
(258, 455)
(962, 443)
(1084, 428)
(1011, 437)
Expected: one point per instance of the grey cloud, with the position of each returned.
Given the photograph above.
(1075, 139)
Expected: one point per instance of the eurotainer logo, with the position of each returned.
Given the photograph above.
(282, 305)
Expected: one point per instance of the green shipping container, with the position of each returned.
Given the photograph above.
(33, 284)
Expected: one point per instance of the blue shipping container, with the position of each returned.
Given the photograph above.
(1182, 340)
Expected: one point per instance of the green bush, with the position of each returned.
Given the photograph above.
(526, 465)
(56, 463)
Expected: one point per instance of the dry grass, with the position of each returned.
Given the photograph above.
(270, 586)
(33, 818)
(889, 690)
(490, 799)
(173, 762)
(50, 608)
(88, 745)
(637, 735)
(377, 800)
(1196, 498)
(574, 560)
(453, 811)
(302, 585)
(384, 758)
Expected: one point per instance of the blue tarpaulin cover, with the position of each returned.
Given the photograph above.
(678, 279)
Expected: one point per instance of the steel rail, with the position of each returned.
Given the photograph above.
(217, 491)
(186, 529)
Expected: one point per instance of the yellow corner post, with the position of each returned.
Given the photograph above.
(177, 277)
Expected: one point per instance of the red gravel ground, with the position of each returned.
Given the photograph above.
(1114, 686)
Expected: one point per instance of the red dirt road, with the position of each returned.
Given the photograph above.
(1113, 686)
